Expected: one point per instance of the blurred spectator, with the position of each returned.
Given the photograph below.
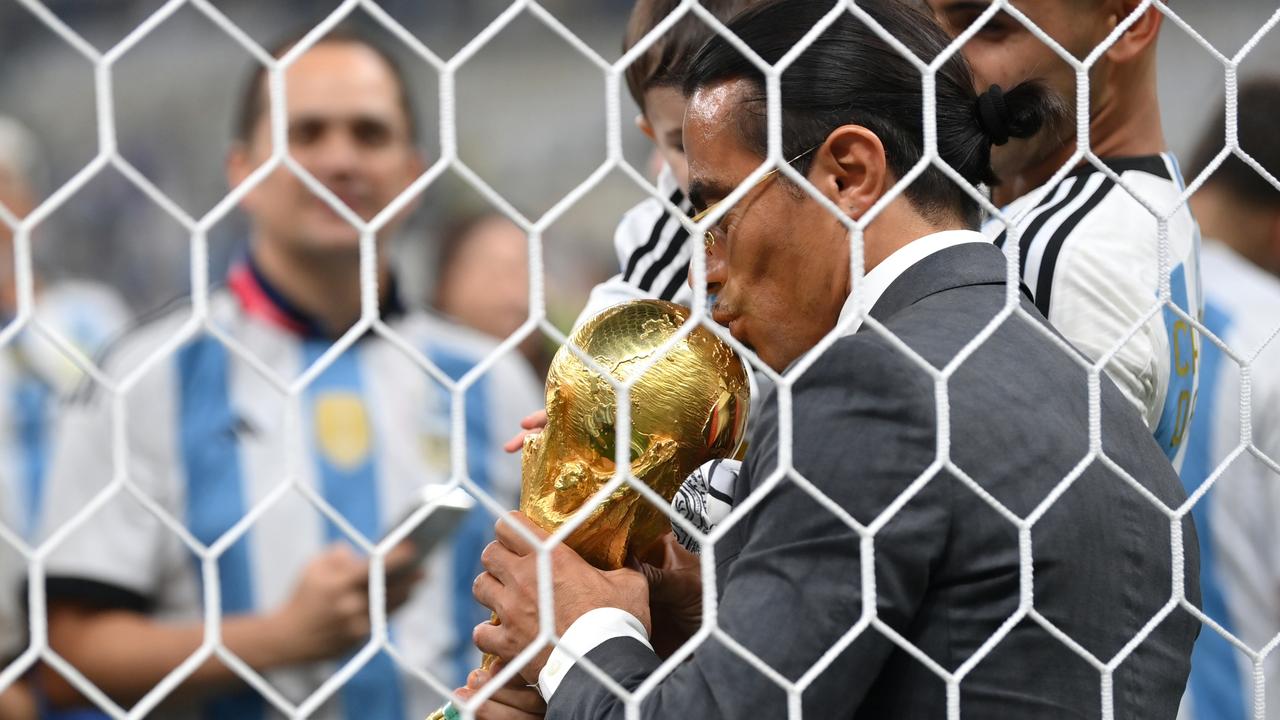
(208, 438)
(483, 281)
(1239, 212)
(33, 376)
(16, 196)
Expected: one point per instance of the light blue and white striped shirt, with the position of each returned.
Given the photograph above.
(208, 440)
(1238, 519)
(34, 376)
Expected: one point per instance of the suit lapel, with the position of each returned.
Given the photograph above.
(954, 267)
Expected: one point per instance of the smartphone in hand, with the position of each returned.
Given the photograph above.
(449, 509)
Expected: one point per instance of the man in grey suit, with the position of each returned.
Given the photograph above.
(997, 565)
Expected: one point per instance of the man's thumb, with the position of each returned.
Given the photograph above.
(653, 576)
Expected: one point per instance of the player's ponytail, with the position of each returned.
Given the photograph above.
(999, 116)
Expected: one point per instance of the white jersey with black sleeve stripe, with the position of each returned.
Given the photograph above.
(653, 254)
(1089, 253)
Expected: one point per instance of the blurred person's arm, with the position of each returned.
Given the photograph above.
(107, 575)
(125, 652)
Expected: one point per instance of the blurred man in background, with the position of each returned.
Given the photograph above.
(1239, 211)
(34, 375)
(208, 438)
(1088, 250)
(482, 281)
(17, 488)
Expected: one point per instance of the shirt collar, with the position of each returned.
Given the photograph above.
(258, 297)
(879, 278)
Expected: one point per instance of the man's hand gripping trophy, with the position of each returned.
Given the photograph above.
(688, 408)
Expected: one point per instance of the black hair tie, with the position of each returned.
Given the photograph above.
(993, 115)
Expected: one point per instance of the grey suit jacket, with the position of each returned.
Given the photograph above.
(946, 563)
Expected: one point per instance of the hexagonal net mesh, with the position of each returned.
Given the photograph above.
(1024, 524)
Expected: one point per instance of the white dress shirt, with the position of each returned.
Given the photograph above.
(879, 278)
(602, 624)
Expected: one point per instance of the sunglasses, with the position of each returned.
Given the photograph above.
(709, 237)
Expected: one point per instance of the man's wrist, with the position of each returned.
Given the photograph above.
(265, 641)
(588, 632)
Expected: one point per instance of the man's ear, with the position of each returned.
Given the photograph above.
(642, 122)
(1140, 36)
(417, 163)
(16, 195)
(415, 166)
(239, 166)
(850, 168)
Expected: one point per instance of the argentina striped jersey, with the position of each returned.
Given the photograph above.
(34, 376)
(209, 438)
(1089, 253)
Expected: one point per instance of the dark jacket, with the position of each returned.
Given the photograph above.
(954, 483)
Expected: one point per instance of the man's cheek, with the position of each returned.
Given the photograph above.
(756, 258)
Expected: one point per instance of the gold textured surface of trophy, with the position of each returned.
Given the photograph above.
(688, 408)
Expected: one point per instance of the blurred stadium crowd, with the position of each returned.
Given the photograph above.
(454, 281)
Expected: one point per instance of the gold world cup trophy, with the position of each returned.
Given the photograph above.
(689, 408)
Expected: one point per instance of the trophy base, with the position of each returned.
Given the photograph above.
(448, 712)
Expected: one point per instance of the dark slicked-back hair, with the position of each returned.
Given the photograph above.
(253, 98)
(664, 63)
(850, 76)
(1259, 133)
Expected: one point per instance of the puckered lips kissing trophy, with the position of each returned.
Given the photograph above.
(689, 408)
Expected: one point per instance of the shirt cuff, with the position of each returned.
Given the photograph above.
(586, 634)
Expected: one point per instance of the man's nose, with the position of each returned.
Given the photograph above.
(337, 154)
(717, 264)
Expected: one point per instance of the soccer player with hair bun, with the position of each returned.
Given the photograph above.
(1089, 251)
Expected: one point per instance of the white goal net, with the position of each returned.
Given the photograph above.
(198, 228)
